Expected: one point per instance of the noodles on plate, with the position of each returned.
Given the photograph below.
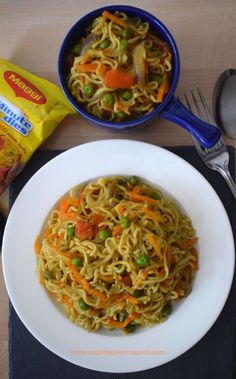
(116, 253)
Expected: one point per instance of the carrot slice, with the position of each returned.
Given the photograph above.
(117, 230)
(118, 79)
(138, 197)
(152, 240)
(115, 19)
(152, 215)
(89, 67)
(163, 89)
(84, 283)
(37, 245)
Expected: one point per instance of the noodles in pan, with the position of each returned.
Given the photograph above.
(120, 70)
(116, 253)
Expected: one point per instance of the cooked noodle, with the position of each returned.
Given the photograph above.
(116, 253)
(129, 47)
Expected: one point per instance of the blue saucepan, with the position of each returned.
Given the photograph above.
(171, 108)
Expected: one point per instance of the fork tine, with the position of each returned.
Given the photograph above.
(206, 108)
(196, 105)
(187, 102)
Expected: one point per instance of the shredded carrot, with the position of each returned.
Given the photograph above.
(191, 241)
(131, 299)
(67, 301)
(41, 279)
(152, 215)
(120, 208)
(138, 197)
(102, 70)
(122, 107)
(37, 245)
(56, 250)
(106, 278)
(121, 325)
(152, 240)
(115, 19)
(137, 189)
(118, 79)
(85, 58)
(89, 67)
(162, 89)
(117, 230)
(84, 283)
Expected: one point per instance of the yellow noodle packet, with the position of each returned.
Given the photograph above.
(30, 110)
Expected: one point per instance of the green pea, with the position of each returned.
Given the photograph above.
(142, 260)
(133, 180)
(47, 275)
(130, 328)
(127, 95)
(77, 49)
(84, 306)
(124, 222)
(108, 98)
(122, 316)
(77, 262)
(155, 196)
(126, 33)
(156, 78)
(124, 44)
(121, 115)
(104, 44)
(137, 293)
(89, 89)
(166, 310)
(104, 234)
(71, 231)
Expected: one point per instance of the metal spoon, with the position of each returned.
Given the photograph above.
(224, 102)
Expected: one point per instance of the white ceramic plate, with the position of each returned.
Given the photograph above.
(148, 347)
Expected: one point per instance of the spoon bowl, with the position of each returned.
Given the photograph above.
(224, 101)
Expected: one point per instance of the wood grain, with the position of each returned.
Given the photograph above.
(31, 33)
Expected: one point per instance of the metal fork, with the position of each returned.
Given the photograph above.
(216, 157)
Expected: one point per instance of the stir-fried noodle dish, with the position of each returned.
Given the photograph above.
(116, 253)
(120, 70)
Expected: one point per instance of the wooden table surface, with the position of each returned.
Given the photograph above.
(30, 36)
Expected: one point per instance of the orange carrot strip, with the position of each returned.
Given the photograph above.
(152, 240)
(152, 215)
(106, 278)
(84, 283)
(131, 299)
(120, 208)
(123, 324)
(138, 197)
(161, 91)
(41, 279)
(117, 230)
(102, 70)
(118, 79)
(89, 67)
(115, 19)
(37, 245)
(122, 107)
(191, 241)
(67, 301)
(137, 189)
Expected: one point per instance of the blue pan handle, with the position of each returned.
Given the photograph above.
(206, 134)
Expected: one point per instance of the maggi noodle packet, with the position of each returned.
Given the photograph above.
(30, 110)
